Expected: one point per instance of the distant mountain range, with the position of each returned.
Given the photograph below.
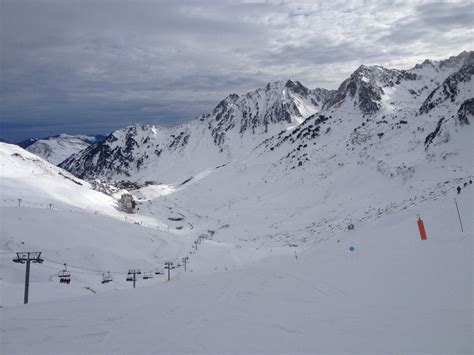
(86, 138)
(57, 148)
(373, 107)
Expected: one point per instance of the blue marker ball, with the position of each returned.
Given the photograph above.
(351, 248)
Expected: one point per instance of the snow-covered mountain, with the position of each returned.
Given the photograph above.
(27, 142)
(41, 180)
(379, 112)
(289, 203)
(355, 159)
(371, 89)
(424, 102)
(235, 126)
(55, 149)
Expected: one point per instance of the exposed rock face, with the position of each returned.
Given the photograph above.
(450, 88)
(466, 111)
(256, 111)
(365, 87)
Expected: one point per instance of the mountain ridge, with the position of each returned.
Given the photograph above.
(231, 129)
(57, 148)
(372, 102)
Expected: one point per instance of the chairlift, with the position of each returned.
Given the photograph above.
(18, 260)
(159, 272)
(147, 275)
(129, 278)
(178, 265)
(106, 278)
(64, 275)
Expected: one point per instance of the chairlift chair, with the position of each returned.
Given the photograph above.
(147, 275)
(64, 275)
(106, 278)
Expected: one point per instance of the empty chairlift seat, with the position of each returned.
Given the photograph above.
(147, 275)
(106, 278)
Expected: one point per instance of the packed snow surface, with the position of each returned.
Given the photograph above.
(394, 293)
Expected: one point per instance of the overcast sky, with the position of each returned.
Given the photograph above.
(95, 66)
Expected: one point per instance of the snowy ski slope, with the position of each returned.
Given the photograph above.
(394, 294)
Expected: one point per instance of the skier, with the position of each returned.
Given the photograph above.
(458, 189)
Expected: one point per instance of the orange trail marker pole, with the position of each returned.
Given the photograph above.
(421, 228)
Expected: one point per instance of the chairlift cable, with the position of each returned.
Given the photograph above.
(91, 271)
(85, 268)
(72, 272)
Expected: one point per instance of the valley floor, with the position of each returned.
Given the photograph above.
(393, 293)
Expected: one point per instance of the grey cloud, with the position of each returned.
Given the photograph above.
(82, 65)
(430, 20)
(446, 15)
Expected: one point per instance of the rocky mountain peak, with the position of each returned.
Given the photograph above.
(449, 65)
(456, 88)
(297, 87)
(424, 64)
(458, 61)
(361, 88)
(279, 102)
(365, 87)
